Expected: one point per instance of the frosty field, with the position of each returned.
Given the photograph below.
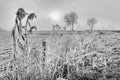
(81, 56)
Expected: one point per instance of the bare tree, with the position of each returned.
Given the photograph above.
(71, 19)
(91, 23)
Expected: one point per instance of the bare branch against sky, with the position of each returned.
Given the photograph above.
(51, 12)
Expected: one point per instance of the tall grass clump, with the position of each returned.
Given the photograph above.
(20, 33)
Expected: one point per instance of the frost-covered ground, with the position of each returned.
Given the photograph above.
(96, 53)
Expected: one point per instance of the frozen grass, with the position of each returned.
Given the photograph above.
(74, 57)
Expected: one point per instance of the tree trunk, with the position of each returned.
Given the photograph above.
(91, 29)
(72, 27)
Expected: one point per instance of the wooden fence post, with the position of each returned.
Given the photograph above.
(44, 57)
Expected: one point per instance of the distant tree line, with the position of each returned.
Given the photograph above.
(72, 18)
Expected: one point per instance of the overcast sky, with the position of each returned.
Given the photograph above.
(107, 12)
